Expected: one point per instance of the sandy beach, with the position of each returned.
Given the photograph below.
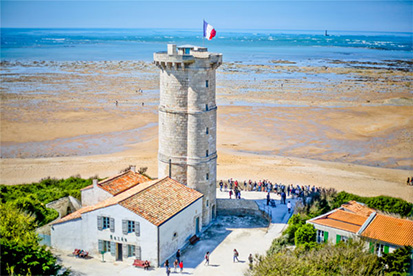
(347, 126)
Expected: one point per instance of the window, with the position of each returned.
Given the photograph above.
(106, 222)
(207, 203)
(379, 249)
(207, 131)
(131, 251)
(344, 238)
(187, 51)
(206, 107)
(320, 236)
(206, 83)
(207, 176)
(206, 153)
(106, 246)
(131, 226)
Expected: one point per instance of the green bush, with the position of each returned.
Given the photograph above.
(382, 203)
(305, 234)
(344, 259)
(397, 262)
(294, 223)
(21, 253)
(32, 198)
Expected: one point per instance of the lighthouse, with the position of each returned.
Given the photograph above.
(188, 120)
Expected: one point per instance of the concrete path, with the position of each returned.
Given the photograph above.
(246, 234)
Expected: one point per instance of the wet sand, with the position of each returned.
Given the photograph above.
(346, 125)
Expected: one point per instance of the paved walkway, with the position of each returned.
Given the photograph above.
(246, 234)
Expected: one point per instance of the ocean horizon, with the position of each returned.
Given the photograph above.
(246, 46)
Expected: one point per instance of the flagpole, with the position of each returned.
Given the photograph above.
(203, 37)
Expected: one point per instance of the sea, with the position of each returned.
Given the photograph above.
(251, 46)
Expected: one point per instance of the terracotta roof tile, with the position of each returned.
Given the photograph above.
(156, 200)
(357, 208)
(342, 220)
(161, 201)
(122, 182)
(389, 229)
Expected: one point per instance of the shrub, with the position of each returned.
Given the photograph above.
(21, 253)
(305, 234)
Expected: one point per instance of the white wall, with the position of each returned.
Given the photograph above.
(67, 235)
(93, 196)
(183, 224)
(333, 232)
(84, 234)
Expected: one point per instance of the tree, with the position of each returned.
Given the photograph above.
(349, 258)
(397, 262)
(20, 250)
(305, 234)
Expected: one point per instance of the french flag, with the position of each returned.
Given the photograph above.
(209, 31)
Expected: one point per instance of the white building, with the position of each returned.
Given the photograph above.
(148, 221)
(384, 233)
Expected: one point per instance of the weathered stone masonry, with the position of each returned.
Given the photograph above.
(187, 120)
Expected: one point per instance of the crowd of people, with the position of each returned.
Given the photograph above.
(234, 188)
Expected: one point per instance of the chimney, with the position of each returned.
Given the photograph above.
(170, 168)
(171, 49)
(95, 183)
(133, 169)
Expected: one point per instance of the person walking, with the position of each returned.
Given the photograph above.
(289, 206)
(268, 199)
(178, 255)
(250, 259)
(235, 255)
(230, 194)
(206, 258)
(176, 265)
(181, 266)
(168, 270)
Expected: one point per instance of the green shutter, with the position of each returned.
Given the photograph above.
(371, 247)
(386, 249)
(338, 238)
(325, 236)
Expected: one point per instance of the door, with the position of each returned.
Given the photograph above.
(197, 225)
(119, 252)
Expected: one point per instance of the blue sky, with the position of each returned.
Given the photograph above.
(393, 16)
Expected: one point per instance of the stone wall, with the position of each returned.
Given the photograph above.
(239, 207)
(187, 121)
(65, 205)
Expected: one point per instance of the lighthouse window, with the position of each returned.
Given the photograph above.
(206, 107)
(207, 153)
(207, 176)
(207, 131)
(206, 83)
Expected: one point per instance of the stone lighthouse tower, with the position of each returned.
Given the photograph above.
(187, 120)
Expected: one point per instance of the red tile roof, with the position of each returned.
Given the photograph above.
(156, 201)
(391, 230)
(357, 208)
(121, 182)
(161, 201)
(342, 220)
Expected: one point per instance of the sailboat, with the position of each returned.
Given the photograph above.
(325, 33)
